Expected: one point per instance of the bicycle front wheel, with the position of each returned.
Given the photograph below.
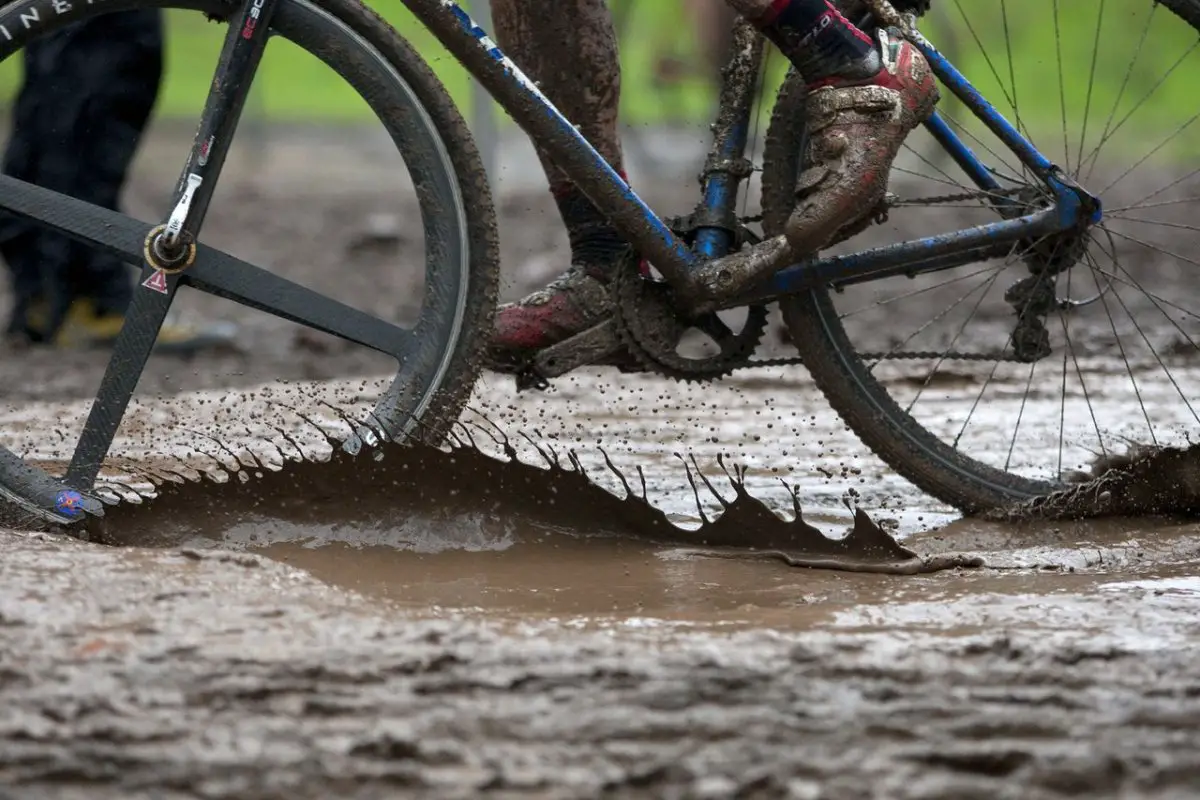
(436, 347)
(924, 369)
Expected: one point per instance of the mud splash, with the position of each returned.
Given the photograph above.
(1143, 481)
(376, 488)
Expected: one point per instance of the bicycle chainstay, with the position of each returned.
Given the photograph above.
(906, 355)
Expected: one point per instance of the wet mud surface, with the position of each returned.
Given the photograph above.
(939, 686)
(266, 616)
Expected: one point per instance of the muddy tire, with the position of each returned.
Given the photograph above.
(862, 401)
(439, 368)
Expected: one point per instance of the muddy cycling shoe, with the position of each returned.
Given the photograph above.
(85, 326)
(855, 131)
(573, 302)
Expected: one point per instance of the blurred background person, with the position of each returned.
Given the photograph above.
(87, 94)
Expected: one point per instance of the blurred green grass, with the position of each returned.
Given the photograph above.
(292, 86)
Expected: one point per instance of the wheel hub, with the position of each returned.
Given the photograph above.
(169, 257)
(1033, 298)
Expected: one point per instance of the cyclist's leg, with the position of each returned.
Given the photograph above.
(864, 104)
(569, 47)
(87, 96)
(864, 101)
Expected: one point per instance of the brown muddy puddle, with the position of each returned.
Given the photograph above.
(431, 533)
(628, 584)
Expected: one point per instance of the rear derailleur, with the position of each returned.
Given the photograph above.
(647, 333)
(1034, 298)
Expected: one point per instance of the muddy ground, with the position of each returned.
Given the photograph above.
(449, 625)
(184, 673)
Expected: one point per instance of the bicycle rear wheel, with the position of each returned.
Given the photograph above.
(437, 352)
(924, 369)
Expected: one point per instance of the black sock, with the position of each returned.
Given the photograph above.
(819, 41)
(595, 243)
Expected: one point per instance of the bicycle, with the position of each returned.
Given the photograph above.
(1040, 220)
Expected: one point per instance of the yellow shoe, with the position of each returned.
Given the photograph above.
(84, 327)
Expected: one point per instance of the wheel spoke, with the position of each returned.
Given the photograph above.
(1091, 157)
(987, 58)
(1183, 127)
(1087, 106)
(1141, 332)
(1012, 442)
(951, 119)
(987, 287)
(130, 353)
(110, 231)
(914, 293)
(1161, 224)
(1012, 75)
(223, 275)
(1062, 89)
(1066, 328)
(1145, 338)
(899, 346)
(1112, 276)
(1121, 348)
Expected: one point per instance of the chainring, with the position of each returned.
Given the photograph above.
(651, 329)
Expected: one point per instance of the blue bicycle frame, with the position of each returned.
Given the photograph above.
(690, 268)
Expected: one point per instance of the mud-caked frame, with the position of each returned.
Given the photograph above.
(695, 273)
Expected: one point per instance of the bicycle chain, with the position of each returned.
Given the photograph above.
(960, 197)
(929, 201)
(906, 355)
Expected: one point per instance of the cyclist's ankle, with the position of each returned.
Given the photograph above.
(824, 46)
(595, 243)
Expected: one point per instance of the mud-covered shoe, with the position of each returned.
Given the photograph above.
(85, 326)
(573, 302)
(855, 131)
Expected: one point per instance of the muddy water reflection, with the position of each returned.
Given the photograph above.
(607, 582)
(562, 576)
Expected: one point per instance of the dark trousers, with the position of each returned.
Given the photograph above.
(86, 98)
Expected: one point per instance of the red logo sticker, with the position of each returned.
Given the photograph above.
(157, 282)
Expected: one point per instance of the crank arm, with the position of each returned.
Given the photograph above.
(595, 344)
(583, 349)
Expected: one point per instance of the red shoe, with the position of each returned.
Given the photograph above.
(855, 131)
(575, 301)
